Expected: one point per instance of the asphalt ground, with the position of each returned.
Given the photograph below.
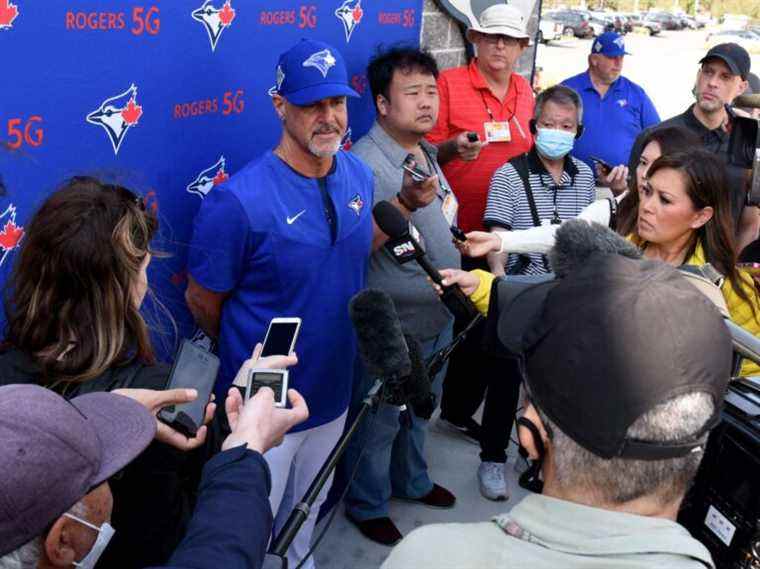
(664, 65)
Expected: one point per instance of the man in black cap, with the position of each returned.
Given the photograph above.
(721, 78)
(626, 365)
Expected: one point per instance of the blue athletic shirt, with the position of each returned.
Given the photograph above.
(265, 238)
(611, 124)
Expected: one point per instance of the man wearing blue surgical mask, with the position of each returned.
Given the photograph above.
(544, 186)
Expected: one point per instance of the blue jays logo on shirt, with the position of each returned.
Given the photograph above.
(350, 14)
(322, 60)
(622, 102)
(356, 204)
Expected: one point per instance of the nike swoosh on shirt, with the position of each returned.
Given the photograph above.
(290, 220)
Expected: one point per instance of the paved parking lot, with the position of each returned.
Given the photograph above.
(665, 65)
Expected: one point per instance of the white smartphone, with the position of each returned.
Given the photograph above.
(281, 336)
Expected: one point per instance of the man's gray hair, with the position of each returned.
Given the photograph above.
(620, 480)
(559, 95)
(25, 557)
(28, 555)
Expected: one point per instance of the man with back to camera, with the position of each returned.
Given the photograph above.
(58, 454)
(620, 427)
(489, 98)
(722, 77)
(290, 235)
(616, 110)
(403, 83)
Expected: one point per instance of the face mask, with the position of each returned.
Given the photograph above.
(531, 478)
(105, 533)
(554, 144)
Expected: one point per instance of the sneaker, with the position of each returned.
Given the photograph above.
(469, 430)
(493, 485)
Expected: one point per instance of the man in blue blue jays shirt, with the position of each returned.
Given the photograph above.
(615, 109)
(290, 235)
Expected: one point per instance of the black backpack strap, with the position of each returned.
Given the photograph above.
(520, 164)
(613, 213)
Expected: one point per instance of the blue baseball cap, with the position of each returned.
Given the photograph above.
(311, 71)
(609, 44)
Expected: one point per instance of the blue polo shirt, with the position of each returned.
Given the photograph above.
(611, 123)
(264, 238)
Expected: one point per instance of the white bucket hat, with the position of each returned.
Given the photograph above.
(501, 19)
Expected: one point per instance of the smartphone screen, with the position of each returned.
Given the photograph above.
(195, 368)
(280, 337)
(276, 380)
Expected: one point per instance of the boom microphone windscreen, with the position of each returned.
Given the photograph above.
(389, 220)
(576, 240)
(380, 337)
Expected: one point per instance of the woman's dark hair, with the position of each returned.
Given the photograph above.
(401, 57)
(670, 139)
(706, 184)
(70, 301)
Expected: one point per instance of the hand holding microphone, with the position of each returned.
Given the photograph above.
(404, 248)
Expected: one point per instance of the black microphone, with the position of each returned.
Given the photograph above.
(404, 248)
(379, 334)
(388, 353)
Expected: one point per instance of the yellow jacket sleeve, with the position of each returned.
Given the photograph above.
(743, 313)
(482, 295)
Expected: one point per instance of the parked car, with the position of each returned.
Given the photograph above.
(599, 25)
(548, 30)
(650, 25)
(573, 23)
(667, 21)
(749, 40)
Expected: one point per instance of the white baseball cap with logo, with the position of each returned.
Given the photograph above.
(501, 19)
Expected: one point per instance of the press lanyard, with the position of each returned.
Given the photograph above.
(512, 118)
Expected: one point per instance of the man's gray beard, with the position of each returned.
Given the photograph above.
(323, 153)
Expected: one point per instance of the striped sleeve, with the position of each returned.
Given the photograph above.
(584, 183)
(503, 196)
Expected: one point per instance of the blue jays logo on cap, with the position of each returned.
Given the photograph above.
(609, 44)
(311, 71)
(322, 60)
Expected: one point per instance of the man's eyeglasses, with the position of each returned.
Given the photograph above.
(494, 39)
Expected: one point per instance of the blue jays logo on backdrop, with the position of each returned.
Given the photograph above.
(11, 234)
(350, 14)
(8, 13)
(117, 115)
(208, 178)
(215, 20)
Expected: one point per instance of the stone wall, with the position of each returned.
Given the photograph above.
(443, 36)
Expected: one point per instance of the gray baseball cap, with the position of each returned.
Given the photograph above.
(54, 451)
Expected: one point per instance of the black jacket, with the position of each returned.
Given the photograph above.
(155, 494)
(716, 141)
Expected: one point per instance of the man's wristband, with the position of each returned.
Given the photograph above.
(404, 203)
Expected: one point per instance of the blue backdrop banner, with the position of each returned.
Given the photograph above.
(167, 98)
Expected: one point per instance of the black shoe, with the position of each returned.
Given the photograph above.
(379, 530)
(438, 497)
(469, 429)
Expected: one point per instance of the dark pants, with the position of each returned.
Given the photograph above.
(474, 373)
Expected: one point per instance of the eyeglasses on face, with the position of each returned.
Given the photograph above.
(495, 39)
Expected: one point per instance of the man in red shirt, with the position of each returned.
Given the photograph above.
(489, 99)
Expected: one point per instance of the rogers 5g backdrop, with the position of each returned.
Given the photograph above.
(168, 98)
